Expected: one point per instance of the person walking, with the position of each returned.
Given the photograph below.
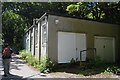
(6, 58)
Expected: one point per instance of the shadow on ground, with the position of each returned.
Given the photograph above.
(16, 63)
(15, 77)
(12, 77)
(17, 60)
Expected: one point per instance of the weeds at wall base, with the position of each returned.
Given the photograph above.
(45, 65)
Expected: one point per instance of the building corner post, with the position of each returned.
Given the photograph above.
(39, 40)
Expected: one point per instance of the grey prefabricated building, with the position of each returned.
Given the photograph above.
(43, 38)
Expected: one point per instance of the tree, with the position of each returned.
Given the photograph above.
(1, 41)
(31, 10)
(12, 28)
(99, 11)
(18, 16)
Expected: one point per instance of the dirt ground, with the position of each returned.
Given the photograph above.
(71, 75)
(66, 71)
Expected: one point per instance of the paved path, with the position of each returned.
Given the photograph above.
(19, 70)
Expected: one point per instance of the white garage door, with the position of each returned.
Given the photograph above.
(105, 48)
(69, 46)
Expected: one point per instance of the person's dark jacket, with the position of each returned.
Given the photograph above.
(3, 57)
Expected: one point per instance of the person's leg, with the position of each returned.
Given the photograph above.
(5, 66)
(8, 68)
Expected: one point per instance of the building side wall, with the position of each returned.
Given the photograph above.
(90, 28)
(52, 39)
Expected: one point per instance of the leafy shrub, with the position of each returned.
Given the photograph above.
(24, 54)
(44, 65)
(85, 73)
(72, 61)
(113, 69)
(32, 61)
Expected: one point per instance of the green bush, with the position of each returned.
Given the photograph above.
(72, 61)
(44, 65)
(24, 54)
(112, 69)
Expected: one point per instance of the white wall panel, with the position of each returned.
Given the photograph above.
(66, 47)
(69, 46)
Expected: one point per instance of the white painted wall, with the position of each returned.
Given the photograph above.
(69, 46)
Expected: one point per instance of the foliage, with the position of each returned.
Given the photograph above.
(88, 70)
(101, 69)
(18, 16)
(112, 69)
(1, 41)
(72, 61)
(85, 73)
(13, 28)
(79, 8)
(72, 7)
(106, 12)
(44, 65)
(31, 10)
(24, 54)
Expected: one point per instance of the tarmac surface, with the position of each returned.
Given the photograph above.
(19, 70)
